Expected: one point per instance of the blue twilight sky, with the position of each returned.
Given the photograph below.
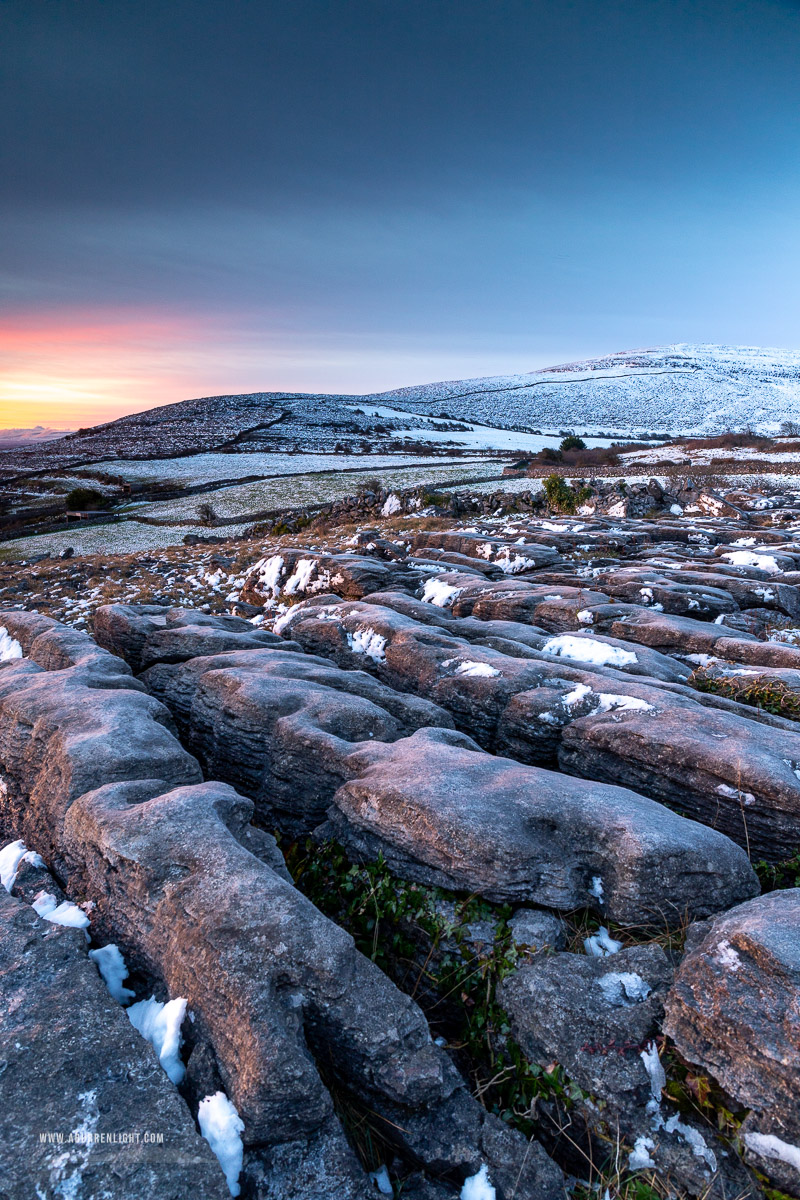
(200, 196)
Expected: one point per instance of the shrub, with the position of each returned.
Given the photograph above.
(207, 513)
(82, 498)
(572, 443)
(549, 454)
(561, 497)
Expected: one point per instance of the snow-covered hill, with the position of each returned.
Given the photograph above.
(681, 389)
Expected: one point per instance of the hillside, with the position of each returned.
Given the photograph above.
(680, 389)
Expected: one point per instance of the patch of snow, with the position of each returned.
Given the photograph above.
(596, 888)
(578, 693)
(724, 789)
(391, 505)
(478, 1187)
(111, 965)
(676, 510)
(10, 648)
(300, 578)
(624, 988)
(586, 616)
(367, 641)
(748, 558)
(639, 1158)
(726, 956)
(222, 1127)
(601, 944)
(475, 669)
(269, 574)
(767, 1145)
(588, 650)
(382, 1181)
(693, 1138)
(161, 1024)
(655, 1073)
(609, 702)
(11, 858)
(439, 593)
(46, 906)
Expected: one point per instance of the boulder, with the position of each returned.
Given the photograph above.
(74, 1065)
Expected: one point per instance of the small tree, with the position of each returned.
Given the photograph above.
(572, 442)
(207, 513)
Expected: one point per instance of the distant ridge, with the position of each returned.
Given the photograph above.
(681, 388)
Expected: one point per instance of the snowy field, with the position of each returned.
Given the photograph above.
(208, 468)
(707, 456)
(267, 495)
(126, 537)
(477, 437)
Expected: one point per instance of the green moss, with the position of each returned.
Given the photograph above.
(773, 876)
(404, 928)
(771, 695)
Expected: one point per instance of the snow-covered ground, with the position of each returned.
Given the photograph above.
(705, 456)
(477, 437)
(681, 388)
(319, 488)
(208, 468)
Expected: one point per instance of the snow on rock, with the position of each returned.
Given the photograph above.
(46, 906)
(11, 857)
(10, 648)
(478, 1187)
(268, 572)
(161, 1024)
(609, 702)
(300, 578)
(693, 1138)
(588, 650)
(367, 641)
(586, 616)
(439, 593)
(601, 944)
(767, 1145)
(381, 1179)
(656, 1075)
(578, 693)
(726, 956)
(639, 1158)
(111, 965)
(748, 558)
(624, 988)
(474, 670)
(222, 1127)
(391, 505)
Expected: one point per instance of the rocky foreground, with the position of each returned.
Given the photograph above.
(460, 866)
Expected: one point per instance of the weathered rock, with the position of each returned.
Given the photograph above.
(74, 1065)
(734, 1009)
(528, 835)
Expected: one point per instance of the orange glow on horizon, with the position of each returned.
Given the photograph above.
(89, 368)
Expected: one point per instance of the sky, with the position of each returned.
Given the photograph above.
(349, 196)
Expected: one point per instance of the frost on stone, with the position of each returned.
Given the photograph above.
(161, 1024)
(111, 965)
(300, 578)
(589, 650)
(478, 1186)
(391, 505)
(624, 988)
(222, 1127)
(368, 642)
(268, 572)
(601, 944)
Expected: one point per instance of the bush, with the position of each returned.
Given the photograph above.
(561, 497)
(82, 498)
(549, 454)
(206, 513)
(572, 443)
